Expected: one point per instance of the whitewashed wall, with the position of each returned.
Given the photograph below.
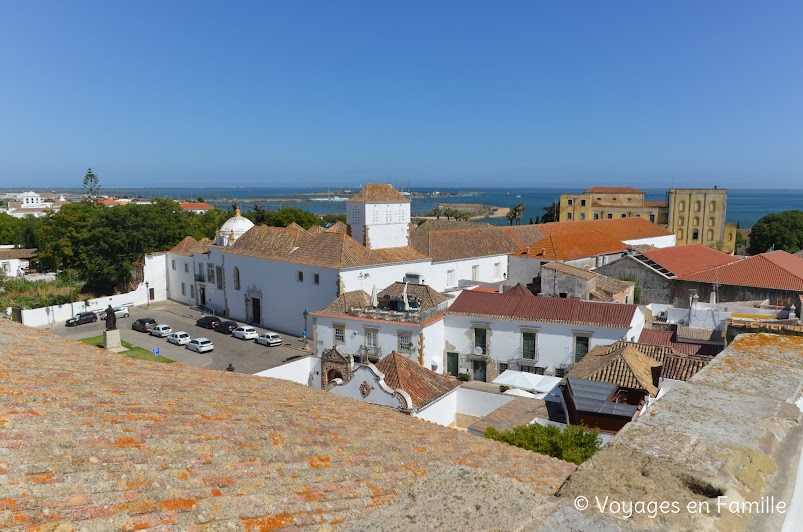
(555, 341)
(384, 275)
(177, 276)
(666, 241)
(60, 313)
(523, 269)
(379, 393)
(462, 401)
(388, 337)
(306, 371)
(462, 270)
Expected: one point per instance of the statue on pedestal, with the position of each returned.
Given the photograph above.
(111, 319)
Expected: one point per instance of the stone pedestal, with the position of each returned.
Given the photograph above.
(111, 340)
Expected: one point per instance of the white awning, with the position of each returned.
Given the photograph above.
(527, 381)
(520, 393)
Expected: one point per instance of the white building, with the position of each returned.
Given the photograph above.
(14, 261)
(32, 204)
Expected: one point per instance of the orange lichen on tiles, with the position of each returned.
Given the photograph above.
(42, 478)
(8, 504)
(177, 504)
(216, 492)
(127, 442)
(320, 461)
(266, 523)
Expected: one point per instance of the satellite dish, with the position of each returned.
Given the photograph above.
(478, 351)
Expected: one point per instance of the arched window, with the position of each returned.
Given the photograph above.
(730, 237)
(681, 220)
(712, 206)
(236, 278)
(695, 235)
(680, 234)
(696, 220)
(710, 234)
(697, 206)
(682, 206)
(711, 222)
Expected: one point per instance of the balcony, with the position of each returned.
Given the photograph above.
(201, 278)
(387, 312)
(479, 352)
(368, 354)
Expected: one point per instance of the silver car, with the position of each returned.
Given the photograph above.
(269, 339)
(200, 345)
(179, 338)
(161, 330)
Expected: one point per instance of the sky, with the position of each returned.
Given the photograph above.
(434, 93)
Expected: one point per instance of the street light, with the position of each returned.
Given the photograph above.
(148, 293)
(306, 342)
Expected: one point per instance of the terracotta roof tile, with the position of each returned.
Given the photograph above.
(699, 333)
(422, 384)
(353, 299)
(624, 366)
(459, 244)
(315, 230)
(189, 245)
(613, 190)
(268, 242)
(18, 253)
(656, 204)
(337, 227)
(668, 339)
(428, 297)
(682, 260)
(570, 270)
(98, 441)
(379, 193)
(295, 226)
(543, 309)
(777, 270)
(573, 246)
(621, 229)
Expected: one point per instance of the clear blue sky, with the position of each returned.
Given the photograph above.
(447, 93)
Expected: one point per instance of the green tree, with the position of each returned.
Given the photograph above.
(206, 225)
(329, 219)
(511, 216)
(574, 444)
(9, 229)
(200, 199)
(91, 186)
(436, 212)
(519, 212)
(551, 214)
(777, 231)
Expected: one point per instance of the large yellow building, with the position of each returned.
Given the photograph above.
(695, 215)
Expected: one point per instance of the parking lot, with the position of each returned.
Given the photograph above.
(245, 356)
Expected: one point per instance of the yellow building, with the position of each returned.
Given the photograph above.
(695, 215)
(606, 203)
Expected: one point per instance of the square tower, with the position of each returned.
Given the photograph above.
(379, 217)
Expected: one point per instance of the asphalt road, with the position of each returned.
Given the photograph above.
(245, 356)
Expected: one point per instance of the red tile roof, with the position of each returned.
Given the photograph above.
(613, 190)
(379, 193)
(94, 440)
(683, 260)
(189, 245)
(109, 202)
(668, 338)
(543, 309)
(573, 246)
(18, 253)
(656, 204)
(422, 384)
(618, 228)
(777, 270)
(195, 206)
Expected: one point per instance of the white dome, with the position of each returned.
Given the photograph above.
(234, 228)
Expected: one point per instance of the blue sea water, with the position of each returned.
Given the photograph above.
(744, 205)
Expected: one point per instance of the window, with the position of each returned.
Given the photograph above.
(497, 270)
(481, 339)
(730, 237)
(300, 277)
(681, 220)
(173, 264)
(610, 215)
(219, 274)
(596, 216)
(192, 290)
(340, 333)
(696, 220)
(236, 274)
(528, 345)
(712, 206)
(624, 215)
(450, 281)
(680, 234)
(186, 268)
(582, 216)
(210, 270)
(629, 198)
(696, 206)
(652, 218)
(183, 289)
(695, 235)
(711, 222)
(372, 338)
(582, 203)
(316, 278)
(682, 206)
(569, 202)
(475, 273)
(710, 234)
(503, 367)
(568, 216)
(405, 342)
(580, 347)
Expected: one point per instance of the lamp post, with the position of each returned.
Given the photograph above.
(148, 293)
(306, 341)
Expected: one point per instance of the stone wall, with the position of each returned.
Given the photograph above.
(655, 288)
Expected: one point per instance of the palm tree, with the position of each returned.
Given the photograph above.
(437, 211)
(511, 216)
(519, 212)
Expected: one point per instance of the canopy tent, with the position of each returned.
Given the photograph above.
(520, 393)
(527, 381)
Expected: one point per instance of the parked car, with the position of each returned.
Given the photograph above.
(269, 339)
(245, 333)
(82, 317)
(119, 312)
(143, 324)
(179, 338)
(226, 327)
(161, 331)
(208, 322)
(200, 345)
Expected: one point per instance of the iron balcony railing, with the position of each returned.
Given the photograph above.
(411, 316)
(371, 354)
(200, 277)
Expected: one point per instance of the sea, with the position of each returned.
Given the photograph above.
(745, 206)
